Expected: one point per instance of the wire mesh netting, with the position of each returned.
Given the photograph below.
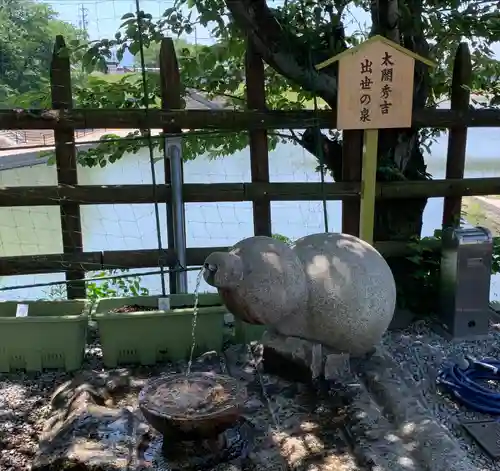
(25, 162)
(210, 157)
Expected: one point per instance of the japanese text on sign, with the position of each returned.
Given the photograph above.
(384, 87)
(366, 87)
(375, 86)
(386, 73)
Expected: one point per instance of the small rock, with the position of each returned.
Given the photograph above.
(86, 436)
(118, 381)
(92, 382)
(296, 359)
(208, 362)
(337, 366)
(253, 403)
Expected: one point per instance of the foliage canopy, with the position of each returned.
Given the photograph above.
(291, 36)
(27, 32)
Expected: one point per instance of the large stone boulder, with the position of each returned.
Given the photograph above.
(334, 289)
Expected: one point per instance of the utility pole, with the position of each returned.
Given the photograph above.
(83, 23)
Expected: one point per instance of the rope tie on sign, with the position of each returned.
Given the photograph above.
(465, 381)
(150, 141)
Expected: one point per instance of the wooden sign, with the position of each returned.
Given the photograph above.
(375, 85)
(375, 91)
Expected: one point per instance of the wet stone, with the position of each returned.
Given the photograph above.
(87, 437)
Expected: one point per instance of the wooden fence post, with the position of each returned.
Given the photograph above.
(352, 150)
(259, 154)
(171, 98)
(65, 150)
(457, 138)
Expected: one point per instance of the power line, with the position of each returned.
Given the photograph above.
(83, 14)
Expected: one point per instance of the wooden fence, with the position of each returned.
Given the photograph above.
(64, 120)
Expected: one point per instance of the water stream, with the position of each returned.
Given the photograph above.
(195, 319)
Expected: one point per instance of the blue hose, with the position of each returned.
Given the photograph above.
(464, 382)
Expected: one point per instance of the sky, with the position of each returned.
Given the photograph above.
(104, 17)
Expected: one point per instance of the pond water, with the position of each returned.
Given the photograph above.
(28, 231)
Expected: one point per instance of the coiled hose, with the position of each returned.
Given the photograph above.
(465, 380)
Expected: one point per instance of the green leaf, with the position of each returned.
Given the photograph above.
(134, 48)
(415, 259)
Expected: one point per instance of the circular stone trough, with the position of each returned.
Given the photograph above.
(198, 417)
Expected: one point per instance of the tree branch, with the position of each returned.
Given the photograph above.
(284, 52)
(291, 57)
(327, 151)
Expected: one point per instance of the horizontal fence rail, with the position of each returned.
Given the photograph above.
(222, 119)
(238, 192)
(146, 258)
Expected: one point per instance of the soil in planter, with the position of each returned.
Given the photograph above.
(137, 308)
(134, 308)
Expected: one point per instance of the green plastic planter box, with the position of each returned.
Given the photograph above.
(153, 336)
(246, 333)
(53, 335)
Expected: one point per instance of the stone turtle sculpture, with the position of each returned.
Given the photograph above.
(333, 289)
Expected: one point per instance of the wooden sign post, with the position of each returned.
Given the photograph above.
(375, 91)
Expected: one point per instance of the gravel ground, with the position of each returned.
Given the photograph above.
(422, 353)
(24, 398)
(24, 407)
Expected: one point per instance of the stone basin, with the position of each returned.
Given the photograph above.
(199, 406)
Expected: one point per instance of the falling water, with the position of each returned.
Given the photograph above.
(195, 319)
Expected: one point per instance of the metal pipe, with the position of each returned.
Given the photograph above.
(179, 219)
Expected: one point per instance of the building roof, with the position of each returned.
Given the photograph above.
(21, 148)
(33, 137)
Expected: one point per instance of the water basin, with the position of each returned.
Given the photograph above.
(192, 407)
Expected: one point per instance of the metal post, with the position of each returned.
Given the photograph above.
(174, 152)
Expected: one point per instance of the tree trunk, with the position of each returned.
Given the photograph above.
(399, 219)
(399, 154)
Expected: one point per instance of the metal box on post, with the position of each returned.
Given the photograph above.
(465, 281)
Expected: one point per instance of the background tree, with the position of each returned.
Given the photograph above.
(27, 32)
(152, 53)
